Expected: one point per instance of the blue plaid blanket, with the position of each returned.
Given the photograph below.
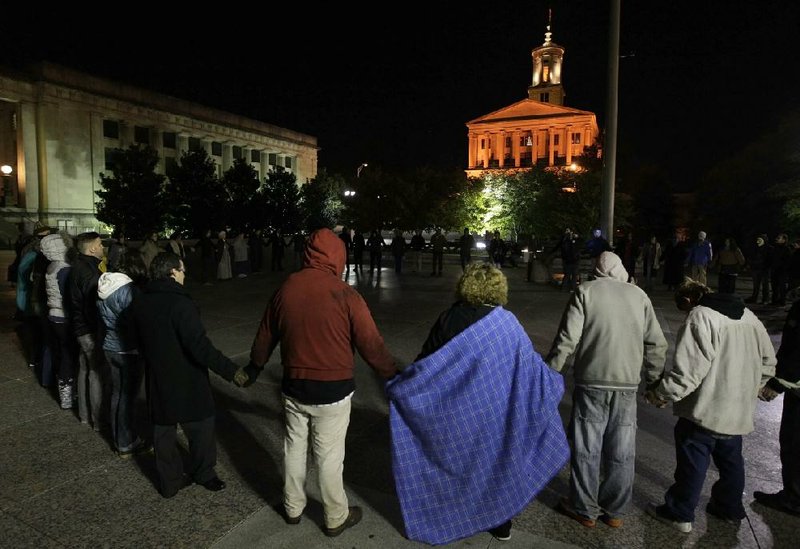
(476, 432)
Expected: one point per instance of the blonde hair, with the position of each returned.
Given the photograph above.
(689, 293)
(482, 283)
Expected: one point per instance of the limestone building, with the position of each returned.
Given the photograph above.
(538, 130)
(59, 126)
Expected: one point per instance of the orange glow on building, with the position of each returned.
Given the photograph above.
(537, 131)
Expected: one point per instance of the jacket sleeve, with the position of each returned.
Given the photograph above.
(23, 278)
(75, 294)
(195, 342)
(788, 368)
(768, 359)
(694, 354)
(367, 339)
(267, 337)
(655, 346)
(569, 334)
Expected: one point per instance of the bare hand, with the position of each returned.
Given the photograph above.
(767, 394)
(651, 398)
(240, 378)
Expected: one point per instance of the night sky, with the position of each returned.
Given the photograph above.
(394, 85)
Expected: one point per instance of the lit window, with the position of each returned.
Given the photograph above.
(576, 138)
(546, 73)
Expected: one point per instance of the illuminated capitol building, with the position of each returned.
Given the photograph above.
(537, 131)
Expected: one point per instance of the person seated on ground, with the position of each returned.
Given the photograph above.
(487, 437)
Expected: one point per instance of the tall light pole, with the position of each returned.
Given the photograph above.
(610, 145)
(361, 167)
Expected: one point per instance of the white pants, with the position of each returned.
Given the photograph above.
(328, 429)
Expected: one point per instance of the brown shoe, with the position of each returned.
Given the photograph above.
(565, 508)
(613, 522)
(352, 519)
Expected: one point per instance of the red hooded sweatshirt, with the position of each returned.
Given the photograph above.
(319, 320)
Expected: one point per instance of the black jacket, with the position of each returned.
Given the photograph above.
(450, 323)
(178, 354)
(82, 290)
(788, 354)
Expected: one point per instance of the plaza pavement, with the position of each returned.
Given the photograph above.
(61, 485)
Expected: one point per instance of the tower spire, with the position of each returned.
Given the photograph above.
(548, 35)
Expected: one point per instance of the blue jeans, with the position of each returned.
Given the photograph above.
(694, 449)
(126, 378)
(603, 433)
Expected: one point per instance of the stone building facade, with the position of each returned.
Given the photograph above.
(58, 128)
(537, 131)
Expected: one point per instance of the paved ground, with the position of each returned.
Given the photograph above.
(62, 486)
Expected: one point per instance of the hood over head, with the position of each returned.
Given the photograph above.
(325, 251)
(729, 305)
(54, 248)
(609, 265)
(110, 283)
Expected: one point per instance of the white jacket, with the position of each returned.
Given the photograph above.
(723, 356)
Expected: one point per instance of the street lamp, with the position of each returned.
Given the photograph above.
(6, 171)
(349, 193)
(361, 167)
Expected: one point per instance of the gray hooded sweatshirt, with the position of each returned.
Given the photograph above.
(611, 329)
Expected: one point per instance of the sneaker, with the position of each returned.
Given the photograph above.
(715, 511)
(660, 513)
(502, 532)
(775, 501)
(137, 448)
(565, 508)
(352, 519)
(613, 522)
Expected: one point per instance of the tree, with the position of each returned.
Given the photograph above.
(377, 203)
(429, 198)
(545, 201)
(279, 201)
(131, 199)
(195, 198)
(241, 184)
(321, 201)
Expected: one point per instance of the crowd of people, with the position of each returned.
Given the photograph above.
(774, 267)
(488, 429)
